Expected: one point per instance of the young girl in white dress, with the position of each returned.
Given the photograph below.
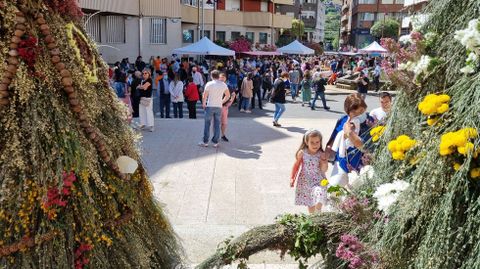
(309, 172)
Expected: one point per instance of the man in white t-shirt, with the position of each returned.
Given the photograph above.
(215, 94)
(378, 114)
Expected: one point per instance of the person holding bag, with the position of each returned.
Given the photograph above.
(146, 103)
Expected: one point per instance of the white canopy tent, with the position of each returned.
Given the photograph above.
(204, 47)
(296, 48)
(374, 48)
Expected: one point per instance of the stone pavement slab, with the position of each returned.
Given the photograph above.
(210, 194)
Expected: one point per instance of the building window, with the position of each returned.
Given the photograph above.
(115, 29)
(250, 36)
(387, 1)
(187, 36)
(206, 33)
(221, 36)
(234, 36)
(192, 3)
(399, 2)
(367, 16)
(367, 1)
(262, 38)
(232, 5)
(264, 6)
(158, 31)
(92, 27)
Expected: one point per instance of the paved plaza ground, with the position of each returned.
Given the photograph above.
(211, 194)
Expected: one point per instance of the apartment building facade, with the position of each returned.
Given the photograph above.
(414, 10)
(129, 28)
(358, 16)
(258, 20)
(312, 13)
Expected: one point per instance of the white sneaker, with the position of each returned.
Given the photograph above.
(248, 111)
(242, 110)
(201, 144)
(215, 145)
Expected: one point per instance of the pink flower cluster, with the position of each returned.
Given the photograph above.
(355, 207)
(352, 250)
(348, 250)
(80, 259)
(240, 45)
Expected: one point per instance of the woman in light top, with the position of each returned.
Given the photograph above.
(176, 95)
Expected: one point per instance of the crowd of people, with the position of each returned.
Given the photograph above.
(253, 80)
(249, 83)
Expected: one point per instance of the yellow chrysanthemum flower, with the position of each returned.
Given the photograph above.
(434, 104)
(444, 98)
(475, 173)
(443, 108)
(466, 149)
(431, 121)
(324, 182)
(398, 155)
(456, 166)
(392, 145)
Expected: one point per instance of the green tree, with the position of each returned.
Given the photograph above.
(298, 28)
(335, 43)
(387, 28)
(332, 27)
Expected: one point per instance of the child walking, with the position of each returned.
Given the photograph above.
(309, 168)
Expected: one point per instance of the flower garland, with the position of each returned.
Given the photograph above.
(400, 146)
(91, 74)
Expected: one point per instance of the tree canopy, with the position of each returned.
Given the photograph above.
(298, 28)
(388, 28)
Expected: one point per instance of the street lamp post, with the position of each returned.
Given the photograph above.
(214, 2)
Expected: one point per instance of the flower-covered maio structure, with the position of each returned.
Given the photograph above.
(65, 200)
(420, 207)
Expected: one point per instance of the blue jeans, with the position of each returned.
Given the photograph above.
(215, 113)
(164, 105)
(322, 96)
(245, 103)
(279, 109)
(294, 88)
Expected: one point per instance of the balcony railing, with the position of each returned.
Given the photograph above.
(282, 21)
(239, 18)
(284, 2)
